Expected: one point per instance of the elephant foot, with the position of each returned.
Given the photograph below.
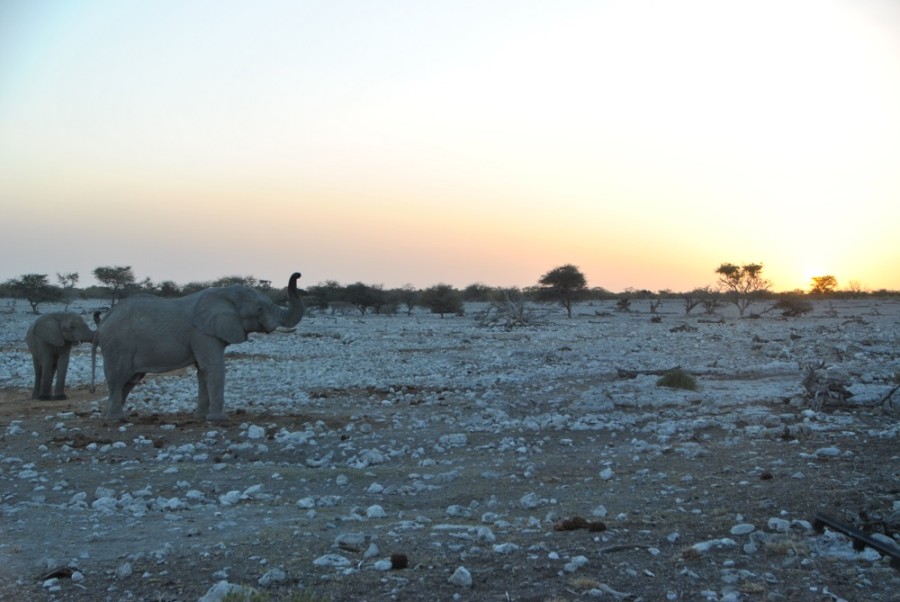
(217, 417)
(113, 416)
(45, 397)
(60, 396)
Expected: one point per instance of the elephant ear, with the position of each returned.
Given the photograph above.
(49, 330)
(217, 316)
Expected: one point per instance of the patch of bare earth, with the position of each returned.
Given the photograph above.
(529, 514)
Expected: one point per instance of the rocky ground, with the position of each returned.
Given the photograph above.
(419, 458)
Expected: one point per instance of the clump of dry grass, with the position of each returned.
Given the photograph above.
(677, 379)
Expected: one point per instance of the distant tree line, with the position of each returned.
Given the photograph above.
(740, 285)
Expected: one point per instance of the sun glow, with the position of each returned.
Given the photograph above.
(646, 142)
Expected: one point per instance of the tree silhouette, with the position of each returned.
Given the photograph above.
(565, 284)
(742, 284)
(35, 289)
(442, 299)
(117, 279)
(823, 285)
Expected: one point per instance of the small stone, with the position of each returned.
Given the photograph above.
(332, 560)
(743, 529)
(272, 577)
(828, 452)
(706, 546)
(255, 432)
(221, 590)
(505, 548)
(530, 500)
(461, 577)
(124, 571)
(375, 511)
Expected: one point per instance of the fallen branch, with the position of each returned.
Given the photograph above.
(888, 396)
(623, 546)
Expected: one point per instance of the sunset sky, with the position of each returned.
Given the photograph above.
(395, 142)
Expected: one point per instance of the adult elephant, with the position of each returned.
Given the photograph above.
(149, 334)
(50, 339)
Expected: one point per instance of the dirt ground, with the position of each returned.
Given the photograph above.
(535, 515)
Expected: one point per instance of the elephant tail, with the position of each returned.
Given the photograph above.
(94, 343)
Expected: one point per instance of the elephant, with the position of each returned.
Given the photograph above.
(50, 339)
(146, 333)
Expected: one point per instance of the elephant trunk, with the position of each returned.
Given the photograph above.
(289, 316)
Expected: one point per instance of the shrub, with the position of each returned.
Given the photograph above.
(677, 379)
(792, 307)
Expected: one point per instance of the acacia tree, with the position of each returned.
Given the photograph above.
(742, 284)
(67, 283)
(362, 297)
(117, 279)
(408, 296)
(442, 299)
(565, 284)
(35, 289)
(823, 285)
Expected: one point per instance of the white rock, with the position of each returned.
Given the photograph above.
(712, 544)
(742, 529)
(531, 500)
(272, 577)
(454, 440)
(230, 498)
(220, 590)
(461, 577)
(332, 560)
(375, 511)
(505, 548)
(575, 563)
(123, 571)
(255, 432)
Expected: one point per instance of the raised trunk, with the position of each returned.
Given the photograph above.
(289, 316)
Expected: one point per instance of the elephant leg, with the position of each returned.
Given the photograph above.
(211, 372)
(202, 394)
(36, 389)
(118, 394)
(62, 368)
(48, 369)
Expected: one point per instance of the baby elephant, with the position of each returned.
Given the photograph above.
(50, 339)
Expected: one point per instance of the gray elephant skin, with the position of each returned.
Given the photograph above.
(148, 334)
(50, 339)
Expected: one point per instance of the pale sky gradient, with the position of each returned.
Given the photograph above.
(394, 142)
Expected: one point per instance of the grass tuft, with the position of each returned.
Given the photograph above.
(677, 379)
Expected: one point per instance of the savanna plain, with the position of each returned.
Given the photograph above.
(426, 458)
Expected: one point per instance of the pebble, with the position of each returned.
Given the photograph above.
(742, 529)
(828, 452)
(332, 560)
(461, 577)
